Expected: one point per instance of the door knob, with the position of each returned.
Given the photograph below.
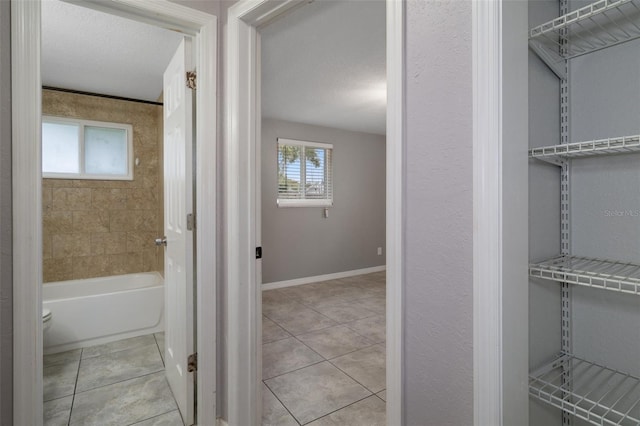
(161, 241)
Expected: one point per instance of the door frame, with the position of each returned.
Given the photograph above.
(27, 190)
(242, 138)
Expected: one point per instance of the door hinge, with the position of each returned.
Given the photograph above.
(192, 362)
(191, 80)
(191, 222)
(258, 252)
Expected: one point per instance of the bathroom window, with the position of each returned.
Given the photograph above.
(82, 149)
(305, 176)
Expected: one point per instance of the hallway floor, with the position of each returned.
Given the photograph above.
(118, 383)
(323, 353)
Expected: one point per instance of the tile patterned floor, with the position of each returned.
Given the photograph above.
(323, 353)
(118, 383)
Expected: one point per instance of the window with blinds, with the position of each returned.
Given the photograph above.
(304, 173)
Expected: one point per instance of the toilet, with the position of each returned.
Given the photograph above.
(46, 319)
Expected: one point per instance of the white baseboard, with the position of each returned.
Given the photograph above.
(318, 278)
(222, 422)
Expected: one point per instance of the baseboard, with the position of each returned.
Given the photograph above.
(326, 277)
(221, 422)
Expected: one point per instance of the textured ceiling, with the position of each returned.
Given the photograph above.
(86, 50)
(324, 64)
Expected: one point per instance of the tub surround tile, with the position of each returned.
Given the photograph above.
(54, 222)
(109, 198)
(47, 199)
(367, 366)
(151, 259)
(118, 366)
(57, 411)
(140, 241)
(59, 380)
(273, 412)
(370, 411)
(125, 263)
(286, 355)
(91, 266)
(120, 345)
(69, 245)
(272, 331)
(316, 391)
(373, 328)
(334, 341)
(62, 357)
(90, 221)
(124, 403)
(47, 247)
(57, 270)
(108, 243)
(71, 198)
(142, 199)
(171, 418)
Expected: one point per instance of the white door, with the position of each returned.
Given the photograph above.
(178, 202)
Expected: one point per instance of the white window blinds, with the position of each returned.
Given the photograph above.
(304, 173)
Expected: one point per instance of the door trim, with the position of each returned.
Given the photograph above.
(241, 139)
(27, 187)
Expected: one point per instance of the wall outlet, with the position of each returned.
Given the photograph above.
(379, 251)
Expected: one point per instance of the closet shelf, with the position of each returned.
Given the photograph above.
(557, 154)
(622, 277)
(592, 392)
(601, 24)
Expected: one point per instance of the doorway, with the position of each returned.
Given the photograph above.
(26, 89)
(244, 300)
(322, 220)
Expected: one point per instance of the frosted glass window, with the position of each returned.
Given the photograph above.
(60, 148)
(105, 151)
(83, 149)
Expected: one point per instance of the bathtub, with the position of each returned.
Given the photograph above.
(101, 310)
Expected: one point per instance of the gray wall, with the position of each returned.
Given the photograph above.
(6, 298)
(605, 203)
(544, 213)
(438, 293)
(299, 242)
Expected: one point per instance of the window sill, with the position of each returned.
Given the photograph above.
(304, 203)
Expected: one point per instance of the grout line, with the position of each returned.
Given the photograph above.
(292, 371)
(159, 350)
(75, 386)
(157, 415)
(281, 403)
(348, 375)
(341, 408)
(122, 381)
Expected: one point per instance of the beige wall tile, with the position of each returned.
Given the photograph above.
(108, 243)
(71, 199)
(126, 263)
(97, 228)
(57, 270)
(142, 199)
(140, 241)
(91, 267)
(91, 221)
(54, 222)
(109, 198)
(69, 245)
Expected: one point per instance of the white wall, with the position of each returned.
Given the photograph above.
(299, 242)
(438, 293)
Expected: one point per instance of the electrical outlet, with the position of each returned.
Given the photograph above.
(379, 251)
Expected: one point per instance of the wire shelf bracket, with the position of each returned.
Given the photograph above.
(595, 393)
(600, 25)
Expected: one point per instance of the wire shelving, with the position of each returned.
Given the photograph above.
(595, 393)
(557, 154)
(611, 275)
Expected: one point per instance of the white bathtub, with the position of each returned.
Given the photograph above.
(101, 310)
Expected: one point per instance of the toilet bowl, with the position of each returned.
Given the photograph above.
(46, 319)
